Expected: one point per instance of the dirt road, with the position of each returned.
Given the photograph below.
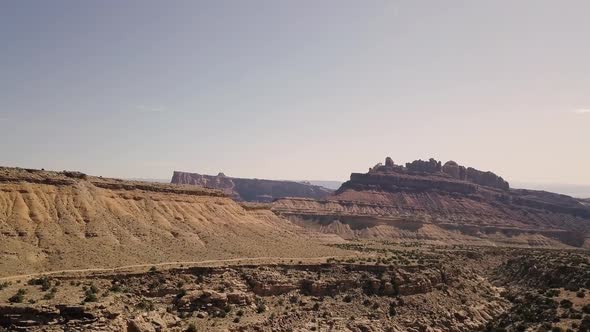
(167, 265)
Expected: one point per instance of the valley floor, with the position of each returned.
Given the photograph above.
(379, 286)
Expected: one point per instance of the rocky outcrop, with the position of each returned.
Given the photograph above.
(419, 172)
(59, 220)
(560, 269)
(253, 190)
(430, 166)
(425, 200)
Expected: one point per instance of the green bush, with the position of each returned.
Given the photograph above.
(18, 297)
(566, 303)
(43, 282)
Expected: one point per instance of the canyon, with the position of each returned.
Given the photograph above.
(86, 253)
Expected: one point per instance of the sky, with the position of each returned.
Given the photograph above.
(295, 89)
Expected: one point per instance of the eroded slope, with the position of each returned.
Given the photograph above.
(55, 221)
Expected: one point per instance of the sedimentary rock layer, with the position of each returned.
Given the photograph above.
(67, 220)
(427, 201)
(256, 190)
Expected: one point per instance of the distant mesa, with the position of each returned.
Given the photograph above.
(435, 168)
(442, 202)
(252, 190)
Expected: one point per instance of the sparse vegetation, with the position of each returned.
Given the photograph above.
(18, 297)
(90, 293)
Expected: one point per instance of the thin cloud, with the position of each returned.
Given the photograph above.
(582, 111)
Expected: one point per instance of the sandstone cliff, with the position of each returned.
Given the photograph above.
(68, 220)
(426, 200)
(254, 190)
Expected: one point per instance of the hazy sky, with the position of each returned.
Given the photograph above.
(295, 89)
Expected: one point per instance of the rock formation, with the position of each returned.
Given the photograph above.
(65, 220)
(253, 190)
(441, 203)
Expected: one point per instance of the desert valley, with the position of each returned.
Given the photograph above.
(421, 247)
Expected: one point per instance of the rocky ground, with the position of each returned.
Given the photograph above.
(386, 287)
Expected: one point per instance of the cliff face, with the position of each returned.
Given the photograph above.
(426, 175)
(253, 190)
(426, 200)
(68, 220)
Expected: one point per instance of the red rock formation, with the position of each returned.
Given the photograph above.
(253, 190)
(425, 200)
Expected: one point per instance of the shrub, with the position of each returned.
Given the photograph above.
(260, 306)
(93, 289)
(43, 282)
(181, 293)
(115, 289)
(146, 305)
(566, 303)
(90, 294)
(18, 297)
(392, 311)
(90, 297)
(191, 328)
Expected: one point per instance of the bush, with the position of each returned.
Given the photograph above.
(43, 282)
(90, 294)
(181, 293)
(260, 306)
(146, 305)
(191, 328)
(90, 297)
(566, 303)
(392, 311)
(116, 289)
(18, 297)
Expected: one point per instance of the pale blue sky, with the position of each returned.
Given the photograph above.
(295, 89)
